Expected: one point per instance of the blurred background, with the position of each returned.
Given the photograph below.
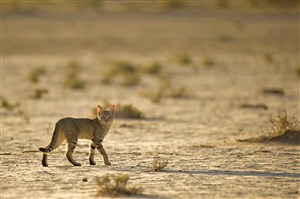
(149, 27)
(114, 51)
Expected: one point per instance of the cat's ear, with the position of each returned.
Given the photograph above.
(112, 109)
(99, 110)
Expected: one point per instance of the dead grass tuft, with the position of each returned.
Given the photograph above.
(297, 70)
(165, 90)
(129, 111)
(184, 59)
(110, 185)
(284, 130)
(208, 62)
(73, 81)
(123, 70)
(172, 4)
(282, 123)
(36, 73)
(269, 58)
(158, 164)
(8, 105)
(123, 111)
(39, 93)
(153, 69)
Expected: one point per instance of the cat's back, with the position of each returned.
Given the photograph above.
(76, 123)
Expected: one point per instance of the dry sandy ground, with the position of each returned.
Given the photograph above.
(196, 134)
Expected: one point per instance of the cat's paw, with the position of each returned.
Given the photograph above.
(45, 164)
(92, 162)
(77, 164)
(107, 163)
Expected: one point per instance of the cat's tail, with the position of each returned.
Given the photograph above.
(52, 145)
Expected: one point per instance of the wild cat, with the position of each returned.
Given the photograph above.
(72, 129)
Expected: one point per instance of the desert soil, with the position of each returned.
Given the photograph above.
(197, 133)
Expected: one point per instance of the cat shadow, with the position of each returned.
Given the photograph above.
(226, 172)
(235, 173)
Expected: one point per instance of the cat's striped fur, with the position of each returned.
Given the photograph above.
(72, 129)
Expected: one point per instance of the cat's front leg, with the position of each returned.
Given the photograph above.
(101, 149)
(92, 154)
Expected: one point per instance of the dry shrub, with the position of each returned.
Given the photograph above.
(8, 105)
(165, 90)
(154, 68)
(73, 81)
(125, 71)
(285, 129)
(269, 58)
(39, 93)
(158, 164)
(36, 73)
(184, 59)
(129, 111)
(297, 70)
(123, 111)
(116, 186)
(172, 4)
(223, 3)
(208, 62)
(282, 123)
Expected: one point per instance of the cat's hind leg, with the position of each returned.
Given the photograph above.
(70, 150)
(92, 154)
(50, 147)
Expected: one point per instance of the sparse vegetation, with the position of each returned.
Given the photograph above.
(129, 111)
(223, 3)
(281, 123)
(154, 68)
(284, 130)
(39, 93)
(172, 4)
(8, 105)
(208, 62)
(124, 111)
(158, 164)
(73, 80)
(114, 186)
(269, 57)
(297, 70)
(36, 73)
(184, 59)
(126, 71)
(165, 90)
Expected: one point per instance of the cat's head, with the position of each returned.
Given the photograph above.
(106, 117)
